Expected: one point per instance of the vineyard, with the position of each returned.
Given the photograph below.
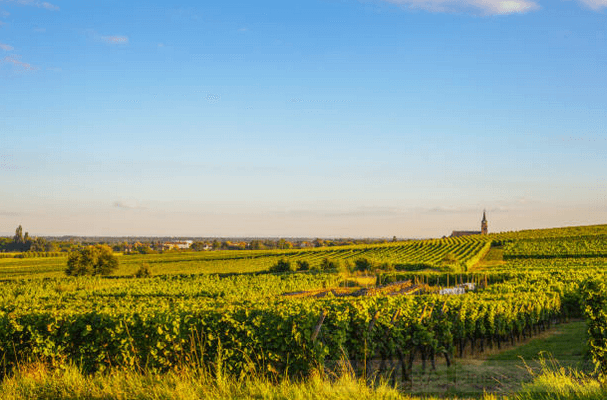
(203, 308)
(426, 253)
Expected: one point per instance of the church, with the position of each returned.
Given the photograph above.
(484, 229)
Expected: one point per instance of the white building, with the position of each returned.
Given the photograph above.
(181, 244)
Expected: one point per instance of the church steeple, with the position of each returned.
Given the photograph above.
(484, 225)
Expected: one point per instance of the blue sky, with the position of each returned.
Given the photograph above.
(301, 118)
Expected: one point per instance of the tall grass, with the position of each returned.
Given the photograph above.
(563, 385)
(558, 383)
(36, 382)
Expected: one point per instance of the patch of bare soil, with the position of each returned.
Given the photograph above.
(391, 289)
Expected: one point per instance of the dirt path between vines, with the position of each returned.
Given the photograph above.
(504, 371)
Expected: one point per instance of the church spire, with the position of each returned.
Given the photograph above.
(484, 225)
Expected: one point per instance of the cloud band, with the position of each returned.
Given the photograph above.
(482, 7)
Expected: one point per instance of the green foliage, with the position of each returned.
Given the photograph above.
(92, 260)
(143, 248)
(347, 266)
(595, 309)
(274, 334)
(283, 265)
(18, 238)
(144, 271)
(449, 259)
(386, 266)
(283, 244)
(200, 246)
(330, 265)
(586, 246)
(364, 265)
(303, 265)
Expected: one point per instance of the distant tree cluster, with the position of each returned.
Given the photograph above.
(24, 242)
(281, 243)
(363, 265)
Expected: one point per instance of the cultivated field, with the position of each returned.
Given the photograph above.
(428, 317)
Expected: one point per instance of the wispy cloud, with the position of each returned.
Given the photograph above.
(34, 3)
(19, 65)
(6, 164)
(128, 205)
(480, 7)
(108, 39)
(115, 39)
(369, 211)
(595, 4)
(49, 6)
(464, 210)
(6, 47)
(213, 98)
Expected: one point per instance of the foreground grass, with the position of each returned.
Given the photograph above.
(35, 382)
(563, 384)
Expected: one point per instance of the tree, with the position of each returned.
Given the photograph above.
(49, 246)
(144, 271)
(198, 246)
(92, 260)
(387, 267)
(18, 235)
(257, 244)
(329, 265)
(283, 244)
(347, 266)
(37, 244)
(303, 265)
(363, 264)
(283, 265)
(143, 248)
(5, 243)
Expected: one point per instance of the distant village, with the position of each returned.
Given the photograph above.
(23, 242)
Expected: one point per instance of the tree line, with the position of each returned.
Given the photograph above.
(24, 242)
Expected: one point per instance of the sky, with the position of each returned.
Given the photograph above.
(328, 118)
